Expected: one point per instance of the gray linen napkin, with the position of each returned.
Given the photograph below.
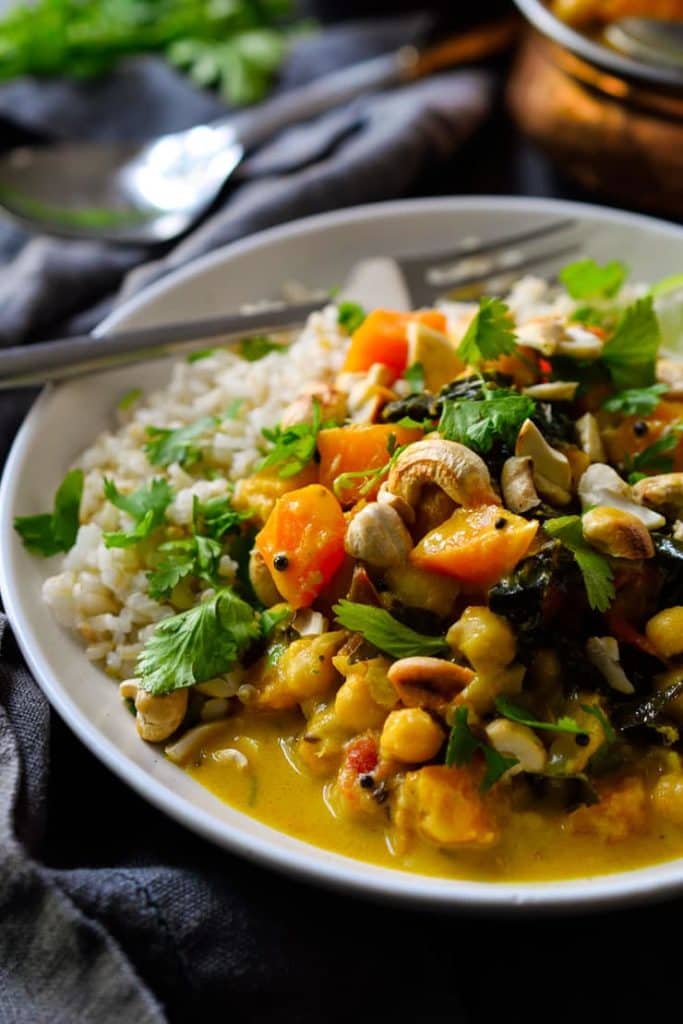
(195, 924)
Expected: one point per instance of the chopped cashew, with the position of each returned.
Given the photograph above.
(617, 533)
(515, 740)
(664, 493)
(542, 333)
(602, 485)
(552, 472)
(262, 581)
(457, 470)
(378, 535)
(580, 343)
(190, 747)
(406, 511)
(553, 391)
(306, 622)
(603, 653)
(517, 482)
(588, 436)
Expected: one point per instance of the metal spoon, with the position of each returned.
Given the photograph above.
(145, 193)
(647, 39)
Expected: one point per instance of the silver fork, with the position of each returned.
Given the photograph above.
(472, 268)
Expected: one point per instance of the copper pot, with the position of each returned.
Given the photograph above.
(620, 136)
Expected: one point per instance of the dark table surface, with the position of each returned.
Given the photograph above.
(367, 960)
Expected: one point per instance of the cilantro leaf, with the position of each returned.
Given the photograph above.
(518, 714)
(592, 316)
(216, 517)
(490, 334)
(129, 399)
(167, 446)
(350, 316)
(631, 352)
(480, 424)
(271, 618)
(204, 353)
(657, 457)
(595, 568)
(146, 507)
(253, 349)
(192, 556)
(463, 745)
(586, 279)
(51, 532)
(385, 632)
(635, 401)
(293, 447)
(198, 644)
(415, 376)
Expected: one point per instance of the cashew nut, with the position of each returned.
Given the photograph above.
(306, 622)
(385, 497)
(427, 682)
(603, 653)
(378, 535)
(188, 749)
(542, 333)
(664, 493)
(457, 470)
(159, 716)
(602, 485)
(588, 436)
(515, 740)
(517, 482)
(670, 372)
(552, 473)
(617, 533)
(553, 391)
(332, 405)
(580, 343)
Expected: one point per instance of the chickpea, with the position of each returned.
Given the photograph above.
(410, 735)
(483, 637)
(665, 631)
(354, 707)
(667, 797)
(305, 669)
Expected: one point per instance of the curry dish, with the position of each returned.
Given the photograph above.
(435, 618)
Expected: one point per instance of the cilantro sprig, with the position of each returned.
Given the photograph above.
(293, 447)
(167, 446)
(631, 353)
(386, 633)
(198, 644)
(564, 724)
(350, 316)
(51, 532)
(595, 568)
(481, 424)
(463, 745)
(586, 279)
(636, 401)
(489, 335)
(371, 476)
(658, 457)
(255, 348)
(146, 507)
(191, 556)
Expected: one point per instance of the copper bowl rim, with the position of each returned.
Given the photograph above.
(594, 53)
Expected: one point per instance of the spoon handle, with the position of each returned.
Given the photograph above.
(31, 365)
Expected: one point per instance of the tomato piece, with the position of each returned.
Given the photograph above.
(302, 543)
(362, 755)
(357, 448)
(473, 545)
(381, 338)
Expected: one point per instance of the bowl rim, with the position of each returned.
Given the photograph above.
(307, 861)
(553, 28)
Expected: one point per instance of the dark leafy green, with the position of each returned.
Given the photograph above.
(51, 532)
(490, 335)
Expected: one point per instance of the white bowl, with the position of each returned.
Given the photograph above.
(318, 251)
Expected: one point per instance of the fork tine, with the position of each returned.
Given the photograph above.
(499, 281)
(429, 277)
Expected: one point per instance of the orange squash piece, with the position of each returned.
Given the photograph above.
(355, 449)
(478, 545)
(381, 338)
(449, 809)
(302, 543)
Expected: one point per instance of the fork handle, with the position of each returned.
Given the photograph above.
(30, 365)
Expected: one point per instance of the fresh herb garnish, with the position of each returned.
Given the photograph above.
(656, 458)
(586, 279)
(596, 711)
(564, 724)
(592, 316)
(350, 316)
(415, 376)
(480, 424)
(146, 507)
(216, 517)
(274, 617)
(51, 532)
(293, 447)
(630, 354)
(198, 644)
(191, 556)
(668, 284)
(204, 353)
(386, 633)
(463, 745)
(233, 409)
(595, 568)
(634, 401)
(490, 334)
(371, 476)
(167, 446)
(253, 349)
(129, 399)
